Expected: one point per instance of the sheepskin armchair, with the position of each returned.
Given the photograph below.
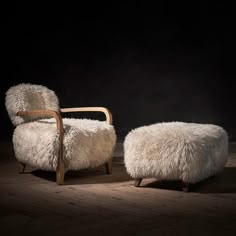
(45, 140)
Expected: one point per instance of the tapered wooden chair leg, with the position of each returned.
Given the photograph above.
(60, 165)
(60, 171)
(185, 187)
(60, 174)
(137, 182)
(22, 171)
(108, 166)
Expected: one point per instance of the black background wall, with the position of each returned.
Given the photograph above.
(147, 63)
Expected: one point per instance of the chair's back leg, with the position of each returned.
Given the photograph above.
(185, 187)
(22, 170)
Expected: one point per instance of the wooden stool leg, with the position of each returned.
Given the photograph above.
(108, 166)
(22, 171)
(137, 182)
(185, 187)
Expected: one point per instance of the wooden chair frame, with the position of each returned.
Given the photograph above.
(60, 171)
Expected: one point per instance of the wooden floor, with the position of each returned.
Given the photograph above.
(93, 203)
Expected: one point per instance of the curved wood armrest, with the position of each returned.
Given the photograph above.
(88, 109)
(51, 113)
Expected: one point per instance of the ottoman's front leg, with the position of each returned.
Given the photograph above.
(108, 166)
(137, 182)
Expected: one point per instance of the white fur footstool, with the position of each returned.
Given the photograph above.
(188, 152)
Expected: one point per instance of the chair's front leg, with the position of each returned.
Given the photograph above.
(108, 166)
(60, 172)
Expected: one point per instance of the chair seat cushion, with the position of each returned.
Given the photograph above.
(87, 143)
(176, 151)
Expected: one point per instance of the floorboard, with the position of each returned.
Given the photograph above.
(93, 203)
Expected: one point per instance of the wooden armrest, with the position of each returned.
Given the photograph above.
(51, 113)
(93, 109)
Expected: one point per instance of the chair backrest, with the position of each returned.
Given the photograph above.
(24, 97)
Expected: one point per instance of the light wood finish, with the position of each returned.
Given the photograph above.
(108, 165)
(50, 113)
(137, 182)
(60, 131)
(91, 109)
(60, 171)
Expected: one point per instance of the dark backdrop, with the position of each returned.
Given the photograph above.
(146, 63)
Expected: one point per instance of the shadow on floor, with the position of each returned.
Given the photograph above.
(87, 176)
(224, 182)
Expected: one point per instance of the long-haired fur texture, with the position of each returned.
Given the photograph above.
(176, 151)
(87, 143)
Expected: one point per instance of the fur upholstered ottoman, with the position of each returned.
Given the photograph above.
(188, 152)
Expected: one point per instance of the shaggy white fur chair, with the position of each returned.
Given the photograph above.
(175, 151)
(44, 140)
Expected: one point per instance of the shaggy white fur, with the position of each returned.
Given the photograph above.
(25, 97)
(176, 151)
(87, 143)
